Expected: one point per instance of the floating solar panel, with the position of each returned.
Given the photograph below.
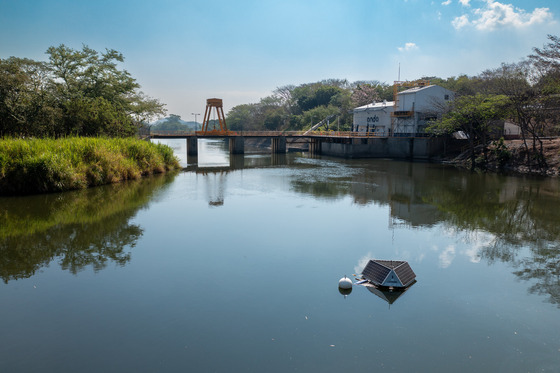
(389, 273)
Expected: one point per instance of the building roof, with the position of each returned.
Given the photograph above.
(376, 106)
(418, 89)
(415, 89)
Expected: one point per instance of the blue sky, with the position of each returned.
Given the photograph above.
(183, 52)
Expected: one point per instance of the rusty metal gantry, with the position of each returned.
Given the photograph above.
(214, 103)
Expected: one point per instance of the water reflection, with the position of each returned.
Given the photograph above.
(215, 176)
(388, 295)
(79, 229)
(497, 215)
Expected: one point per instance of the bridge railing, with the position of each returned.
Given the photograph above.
(270, 134)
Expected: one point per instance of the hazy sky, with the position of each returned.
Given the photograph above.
(185, 51)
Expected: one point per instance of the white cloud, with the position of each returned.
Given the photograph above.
(446, 256)
(495, 15)
(408, 47)
(362, 262)
(460, 22)
(447, 2)
(465, 2)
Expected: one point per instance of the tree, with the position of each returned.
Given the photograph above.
(78, 92)
(88, 80)
(364, 94)
(475, 116)
(526, 104)
(241, 117)
(27, 106)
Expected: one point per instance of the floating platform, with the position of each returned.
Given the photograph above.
(389, 274)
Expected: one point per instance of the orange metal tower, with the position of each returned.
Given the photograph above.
(217, 104)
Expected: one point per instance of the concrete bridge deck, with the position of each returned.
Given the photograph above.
(337, 144)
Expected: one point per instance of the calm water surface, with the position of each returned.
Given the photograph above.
(233, 266)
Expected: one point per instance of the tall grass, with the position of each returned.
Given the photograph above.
(47, 165)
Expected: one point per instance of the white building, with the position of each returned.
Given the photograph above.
(374, 118)
(408, 116)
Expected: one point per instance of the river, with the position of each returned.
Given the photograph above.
(233, 266)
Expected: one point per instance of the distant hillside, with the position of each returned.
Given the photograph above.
(174, 123)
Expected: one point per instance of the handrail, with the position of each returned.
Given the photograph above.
(340, 134)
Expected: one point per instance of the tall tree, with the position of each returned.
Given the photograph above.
(27, 106)
(475, 116)
(96, 96)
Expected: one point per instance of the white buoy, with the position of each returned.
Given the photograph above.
(345, 283)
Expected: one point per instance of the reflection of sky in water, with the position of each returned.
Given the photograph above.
(238, 270)
(211, 153)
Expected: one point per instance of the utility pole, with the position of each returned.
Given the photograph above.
(195, 122)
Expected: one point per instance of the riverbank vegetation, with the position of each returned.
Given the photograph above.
(73, 93)
(48, 165)
(67, 123)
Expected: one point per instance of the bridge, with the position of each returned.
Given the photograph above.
(334, 143)
(279, 139)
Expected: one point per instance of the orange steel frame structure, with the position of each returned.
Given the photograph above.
(218, 105)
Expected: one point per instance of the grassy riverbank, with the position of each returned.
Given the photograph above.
(46, 165)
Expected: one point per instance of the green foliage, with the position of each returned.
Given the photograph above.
(47, 165)
(472, 114)
(476, 117)
(76, 92)
(172, 123)
(294, 108)
(501, 152)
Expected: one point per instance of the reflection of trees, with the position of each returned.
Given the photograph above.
(543, 266)
(322, 188)
(79, 229)
(516, 212)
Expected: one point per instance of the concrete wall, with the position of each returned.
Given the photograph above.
(390, 147)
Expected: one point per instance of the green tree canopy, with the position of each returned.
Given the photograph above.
(475, 116)
(79, 92)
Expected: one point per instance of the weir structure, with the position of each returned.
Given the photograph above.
(214, 103)
(236, 140)
(331, 143)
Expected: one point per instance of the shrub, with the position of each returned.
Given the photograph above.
(47, 165)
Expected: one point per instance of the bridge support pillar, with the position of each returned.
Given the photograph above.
(278, 159)
(192, 146)
(314, 146)
(236, 145)
(278, 145)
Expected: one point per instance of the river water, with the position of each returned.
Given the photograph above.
(233, 266)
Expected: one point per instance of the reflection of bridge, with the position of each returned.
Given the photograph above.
(216, 176)
(279, 139)
(239, 162)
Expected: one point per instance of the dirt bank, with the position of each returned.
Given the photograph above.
(515, 159)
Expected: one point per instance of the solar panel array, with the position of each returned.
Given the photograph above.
(391, 264)
(375, 272)
(405, 274)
